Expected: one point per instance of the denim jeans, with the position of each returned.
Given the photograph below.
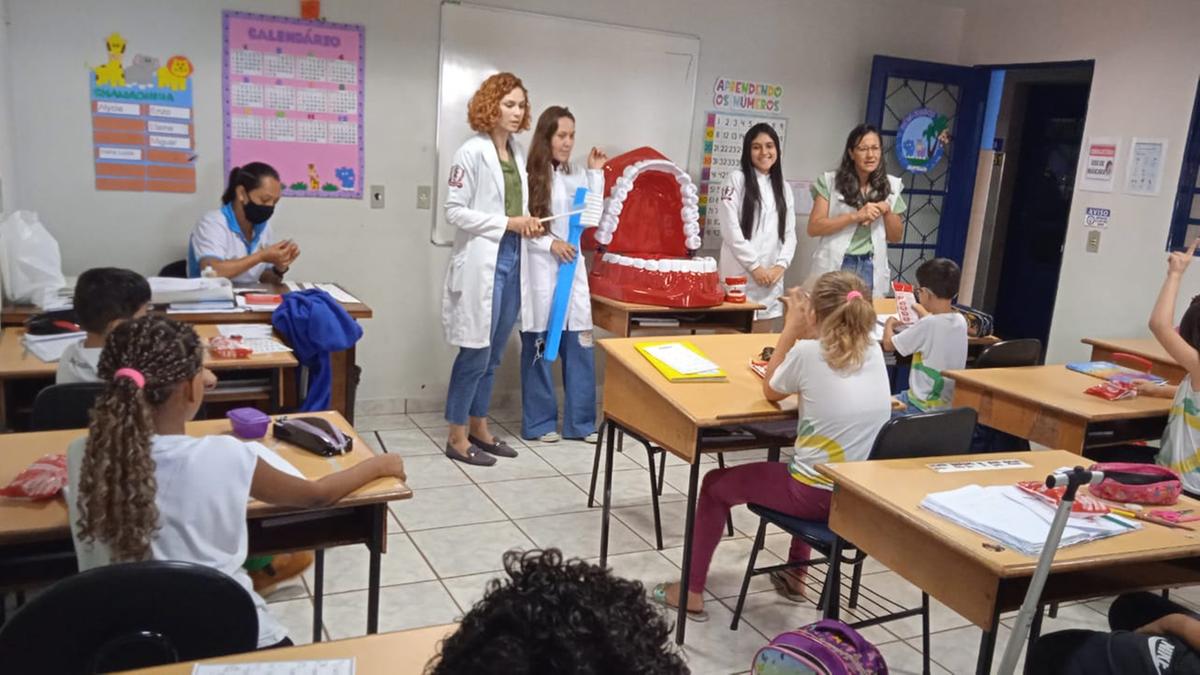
(539, 407)
(864, 267)
(474, 370)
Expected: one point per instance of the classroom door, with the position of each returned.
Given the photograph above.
(1052, 133)
(930, 116)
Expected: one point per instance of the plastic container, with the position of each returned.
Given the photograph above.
(249, 423)
(735, 289)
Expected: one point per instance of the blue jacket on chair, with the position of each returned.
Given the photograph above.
(315, 325)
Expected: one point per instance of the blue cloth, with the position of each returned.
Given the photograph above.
(864, 267)
(539, 407)
(474, 370)
(315, 325)
(231, 222)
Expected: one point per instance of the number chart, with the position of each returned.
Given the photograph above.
(722, 154)
(293, 98)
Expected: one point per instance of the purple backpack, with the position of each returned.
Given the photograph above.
(826, 647)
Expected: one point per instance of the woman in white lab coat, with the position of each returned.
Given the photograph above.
(758, 224)
(553, 179)
(482, 297)
(856, 213)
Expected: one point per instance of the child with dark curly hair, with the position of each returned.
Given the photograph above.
(556, 616)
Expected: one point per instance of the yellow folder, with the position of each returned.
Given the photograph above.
(673, 375)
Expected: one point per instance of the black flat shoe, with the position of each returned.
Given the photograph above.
(499, 448)
(474, 456)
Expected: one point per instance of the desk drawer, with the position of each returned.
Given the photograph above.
(1125, 431)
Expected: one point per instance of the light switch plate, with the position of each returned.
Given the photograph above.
(424, 197)
(1093, 241)
(377, 196)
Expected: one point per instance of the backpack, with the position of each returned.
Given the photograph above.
(826, 647)
(979, 324)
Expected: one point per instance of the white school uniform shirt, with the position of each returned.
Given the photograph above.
(831, 248)
(1180, 447)
(78, 364)
(475, 207)
(763, 249)
(218, 235)
(203, 488)
(936, 342)
(840, 413)
(542, 266)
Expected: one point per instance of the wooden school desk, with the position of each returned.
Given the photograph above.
(35, 539)
(620, 318)
(342, 362)
(1148, 348)
(875, 507)
(18, 364)
(639, 401)
(884, 306)
(1046, 405)
(401, 653)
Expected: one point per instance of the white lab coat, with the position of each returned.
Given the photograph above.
(763, 249)
(542, 266)
(831, 248)
(475, 207)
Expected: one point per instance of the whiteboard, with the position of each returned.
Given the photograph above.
(627, 87)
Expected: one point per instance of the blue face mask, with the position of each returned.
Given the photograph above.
(257, 214)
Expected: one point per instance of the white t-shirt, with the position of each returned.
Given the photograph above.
(203, 489)
(936, 342)
(78, 364)
(763, 249)
(1180, 447)
(218, 235)
(839, 413)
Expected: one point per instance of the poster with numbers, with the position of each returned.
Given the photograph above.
(293, 98)
(723, 134)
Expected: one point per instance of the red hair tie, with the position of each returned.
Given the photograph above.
(852, 295)
(133, 374)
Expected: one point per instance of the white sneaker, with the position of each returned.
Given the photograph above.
(551, 437)
(591, 438)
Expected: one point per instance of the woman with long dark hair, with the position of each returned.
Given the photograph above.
(758, 224)
(553, 179)
(856, 212)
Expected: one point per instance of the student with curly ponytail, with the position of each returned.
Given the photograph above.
(140, 488)
(826, 355)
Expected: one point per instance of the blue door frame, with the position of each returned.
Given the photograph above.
(954, 194)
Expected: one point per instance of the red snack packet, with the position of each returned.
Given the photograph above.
(43, 479)
(1084, 505)
(229, 348)
(1112, 391)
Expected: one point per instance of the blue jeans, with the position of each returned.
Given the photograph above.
(474, 370)
(539, 408)
(864, 267)
(909, 408)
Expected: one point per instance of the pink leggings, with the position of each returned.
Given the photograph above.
(767, 484)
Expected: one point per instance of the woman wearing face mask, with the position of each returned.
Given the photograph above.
(553, 179)
(236, 240)
(856, 213)
(758, 224)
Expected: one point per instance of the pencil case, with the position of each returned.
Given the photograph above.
(1128, 482)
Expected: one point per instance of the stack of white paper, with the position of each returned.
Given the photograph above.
(164, 290)
(683, 360)
(50, 348)
(332, 289)
(1016, 519)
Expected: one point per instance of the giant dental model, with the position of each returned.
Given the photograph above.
(649, 260)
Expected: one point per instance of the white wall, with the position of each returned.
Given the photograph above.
(7, 174)
(819, 50)
(1147, 65)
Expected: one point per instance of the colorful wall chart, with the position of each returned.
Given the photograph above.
(723, 153)
(142, 133)
(293, 98)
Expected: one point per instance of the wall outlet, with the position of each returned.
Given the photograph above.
(1093, 241)
(424, 197)
(377, 197)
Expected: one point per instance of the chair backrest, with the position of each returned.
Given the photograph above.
(176, 270)
(1010, 354)
(930, 434)
(64, 406)
(131, 615)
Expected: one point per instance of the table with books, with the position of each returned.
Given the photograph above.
(623, 319)
(1147, 349)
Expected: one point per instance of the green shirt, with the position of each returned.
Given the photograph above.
(512, 187)
(860, 243)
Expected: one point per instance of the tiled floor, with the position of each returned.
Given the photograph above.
(447, 542)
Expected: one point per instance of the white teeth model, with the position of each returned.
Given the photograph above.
(690, 213)
(692, 266)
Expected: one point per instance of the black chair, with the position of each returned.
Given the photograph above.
(64, 406)
(132, 615)
(1010, 354)
(175, 270)
(931, 434)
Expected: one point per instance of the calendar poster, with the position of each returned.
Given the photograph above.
(723, 134)
(293, 98)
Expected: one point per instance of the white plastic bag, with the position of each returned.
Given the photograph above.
(30, 262)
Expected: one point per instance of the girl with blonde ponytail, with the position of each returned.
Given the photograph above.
(826, 355)
(141, 489)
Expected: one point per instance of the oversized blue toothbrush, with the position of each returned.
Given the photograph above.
(585, 212)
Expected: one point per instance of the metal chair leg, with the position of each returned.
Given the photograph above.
(856, 581)
(596, 465)
(658, 539)
(925, 633)
(758, 542)
(729, 518)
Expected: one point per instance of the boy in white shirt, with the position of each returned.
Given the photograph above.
(936, 342)
(105, 297)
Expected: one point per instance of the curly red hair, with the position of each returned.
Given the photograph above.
(484, 109)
